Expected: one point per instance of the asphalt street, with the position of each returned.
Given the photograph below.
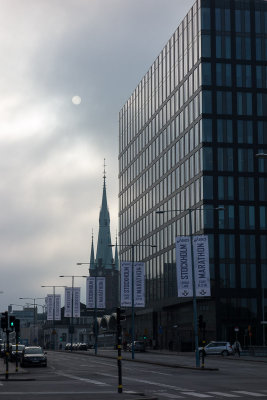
(151, 375)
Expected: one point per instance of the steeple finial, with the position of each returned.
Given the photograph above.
(104, 176)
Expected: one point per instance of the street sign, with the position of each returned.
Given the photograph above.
(236, 329)
(264, 322)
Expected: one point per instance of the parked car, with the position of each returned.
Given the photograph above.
(223, 348)
(13, 351)
(138, 346)
(33, 355)
(82, 346)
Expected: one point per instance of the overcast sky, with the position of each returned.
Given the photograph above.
(51, 150)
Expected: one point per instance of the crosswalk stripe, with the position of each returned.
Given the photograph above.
(196, 394)
(249, 393)
(223, 394)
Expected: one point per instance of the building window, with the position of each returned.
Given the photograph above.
(223, 74)
(224, 102)
(246, 188)
(206, 73)
(248, 276)
(247, 217)
(244, 131)
(245, 160)
(224, 130)
(225, 188)
(243, 75)
(227, 276)
(207, 158)
(244, 103)
(225, 159)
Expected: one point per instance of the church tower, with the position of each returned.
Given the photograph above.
(104, 264)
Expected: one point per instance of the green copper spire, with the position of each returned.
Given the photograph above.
(92, 256)
(104, 252)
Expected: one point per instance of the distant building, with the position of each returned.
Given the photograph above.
(188, 137)
(103, 264)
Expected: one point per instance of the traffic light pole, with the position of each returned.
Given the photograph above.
(119, 349)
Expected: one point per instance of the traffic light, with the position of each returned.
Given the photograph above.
(12, 319)
(4, 321)
(200, 321)
(17, 325)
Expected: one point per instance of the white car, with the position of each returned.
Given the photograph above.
(222, 348)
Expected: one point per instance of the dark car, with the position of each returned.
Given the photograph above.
(32, 356)
(138, 346)
(82, 346)
(13, 351)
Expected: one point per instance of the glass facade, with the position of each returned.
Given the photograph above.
(189, 134)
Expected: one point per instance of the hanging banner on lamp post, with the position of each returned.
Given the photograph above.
(57, 307)
(90, 292)
(76, 302)
(139, 284)
(49, 307)
(201, 265)
(126, 284)
(72, 308)
(100, 292)
(184, 266)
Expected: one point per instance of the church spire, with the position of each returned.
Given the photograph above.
(92, 256)
(104, 252)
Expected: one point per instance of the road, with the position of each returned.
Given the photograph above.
(84, 376)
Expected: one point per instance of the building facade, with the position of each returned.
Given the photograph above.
(189, 135)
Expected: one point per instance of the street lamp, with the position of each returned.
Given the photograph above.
(72, 286)
(95, 311)
(132, 246)
(34, 304)
(189, 210)
(54, 294)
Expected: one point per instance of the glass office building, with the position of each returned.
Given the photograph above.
(189, 135)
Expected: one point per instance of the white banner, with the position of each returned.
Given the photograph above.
(201, 265)
(57, 307)
(72, 308)
(126, 284)
(49, 307)
(90, 292)
(139, 284)
(76, 302)
(68, 302)
(101, 292)
(184, 266)
(53, 307)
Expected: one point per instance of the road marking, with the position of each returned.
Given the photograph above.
(223, 394)
(45, 393)
(171, 396)
(196, 394)
(82, 379)
(249, 393)
(163, 385)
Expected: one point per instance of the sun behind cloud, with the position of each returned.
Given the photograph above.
(76, 100)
